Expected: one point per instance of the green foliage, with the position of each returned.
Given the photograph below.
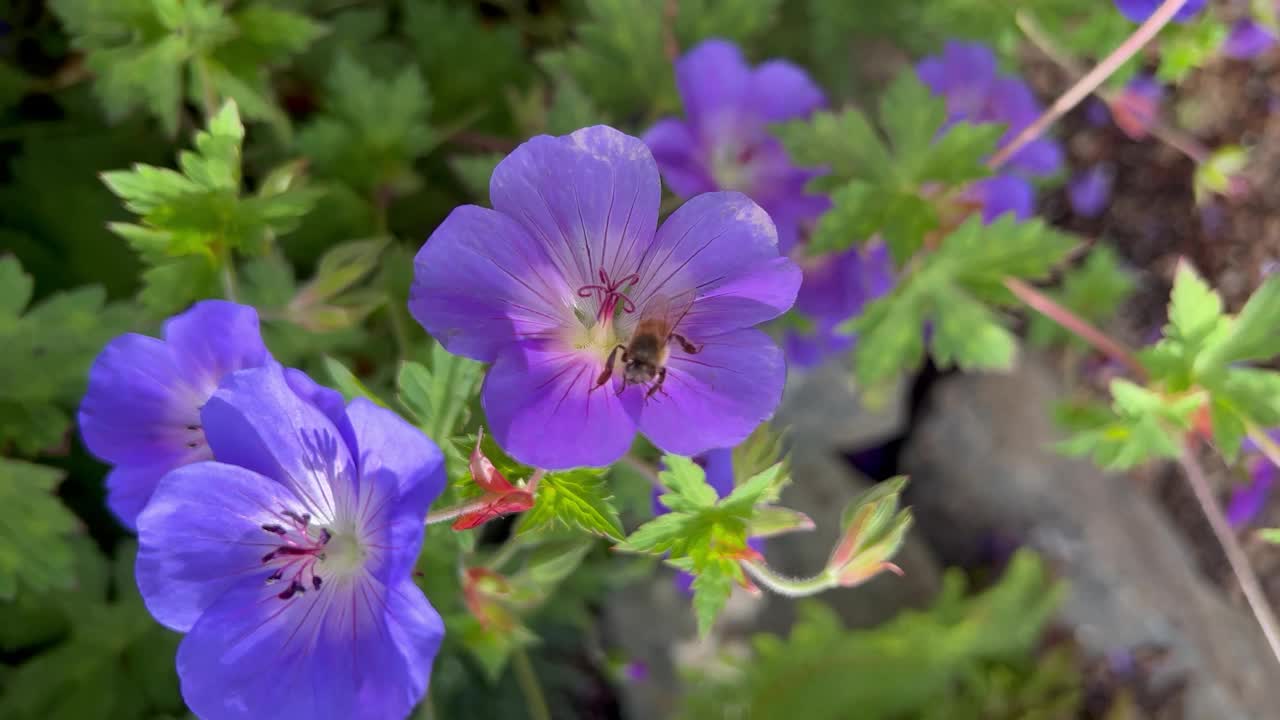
(372, 130)
(821, 670)
(878, 183)
(1189, 46)
(439, 398)
(143, 50)
(193, 219)
(47, 352)
(573, 500)
(33, 530)
(1217, 174)
(1093, 292)
(702, 534)
(952, 288)
(108, 658)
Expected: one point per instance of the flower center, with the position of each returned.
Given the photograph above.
(305, 551)
(610, 293)
(731, 166)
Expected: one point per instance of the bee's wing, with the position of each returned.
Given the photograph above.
(669, 310)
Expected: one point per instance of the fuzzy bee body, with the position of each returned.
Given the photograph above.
(644, 356)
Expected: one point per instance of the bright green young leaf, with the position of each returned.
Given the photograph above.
(687, 482)
(574, 499)
(1195, 309)
(1187, 47)
(1271, 535)
(1215, 175)
(711, 589)
(347, 383)
(1140, 426)
(34, 526)
(1255, 334)
(968, 335)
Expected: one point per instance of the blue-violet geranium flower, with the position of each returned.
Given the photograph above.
(1139, 10)
(724, 141)
(552, 285)
(141, 411)
(288, 561)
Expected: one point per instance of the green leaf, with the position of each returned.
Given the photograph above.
(34, 526)
(1093, 291)
(959, 156)
(764, 487)
(711, 591)
(967, 335)
(978, 257)
(845, 142)
(1141, 425)
(474, 171)
(348, 384)
(1271, 535)
(1228, 428)
(890, 336)
(575, 499)
(373, 129)
(1255, 334)
(440, 398)
(762, 449)
(1195, 309)
(911, 116)
(687, 484)
(1184, 48)
(738, 21)
(1215, 175)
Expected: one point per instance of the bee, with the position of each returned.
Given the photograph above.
(644, 357)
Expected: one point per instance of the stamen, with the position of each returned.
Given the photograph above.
(611, 293)
(273, 528)
(315, 582)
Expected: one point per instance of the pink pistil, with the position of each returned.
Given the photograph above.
(299, 553)
(611, 292)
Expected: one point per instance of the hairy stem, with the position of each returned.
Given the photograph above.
(1231, 546)
(447, 514)
(529, 685)
(1091, 80)
(1104, 343)
(644, 469)
(788, 586)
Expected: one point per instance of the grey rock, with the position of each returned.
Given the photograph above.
(983, 467)
(825, 406)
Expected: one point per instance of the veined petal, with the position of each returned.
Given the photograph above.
(483, 281)
(714, 399)
(780, 90)
(202, 534)
(542, 409)
(681, 159)
(713, 79)
(257, 422)
(214, 338)
(590, 199)
(360, 651)
(130, 486)
(327, 400)
(723, 247)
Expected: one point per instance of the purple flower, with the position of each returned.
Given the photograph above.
(287, 563)
(724, 142)
(551, 287)
(141, 412)
(718, 466)
(966, 76)
(835, 288)
(1246, 502)
(1090, 190)
(1248, 39)
(1139, 10)
(1002, 194)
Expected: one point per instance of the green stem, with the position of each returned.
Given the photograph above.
(788, 586)
(228, 275)
(208, 95)
(529, 685)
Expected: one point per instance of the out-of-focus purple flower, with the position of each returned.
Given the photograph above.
(1139, 10)
(288, 562)
(966, 75)
(141, 411)
(1246, 502)
(1247, 40)
(1096, 112)
(636, 671)
(1136, 108)
(835, 288)
(554, 283)
(718, 466)
(1090, 190)
(1002, 194)
(723, 143)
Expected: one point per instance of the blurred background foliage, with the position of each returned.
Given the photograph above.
(126, 193)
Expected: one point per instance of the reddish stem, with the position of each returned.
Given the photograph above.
(1046, 306)
(1091, 81)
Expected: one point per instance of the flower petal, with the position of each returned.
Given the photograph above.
(589, 198)
(680, 158)
(713, 78)
(1004, 194)
(214, 338)
(257, 422)
(327, 400)
(722, 246)
(358, 652)
(202, 534)
(779, 90)
(482, 281)
(714, 399)
(130, 486)
(543, 411)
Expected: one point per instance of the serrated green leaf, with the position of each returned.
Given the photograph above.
(711, 591)
(762, 449)
(1228, 428)
(34, 527)
(440, 397)
(911, 116)
(1195, 309)
(575, 499)
(959, 155)
(688, 485)
(967, 335)
(890, 336)
(1255, 334)
(845, 142)
(978, 257)
(763, 488)
(662, 533)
